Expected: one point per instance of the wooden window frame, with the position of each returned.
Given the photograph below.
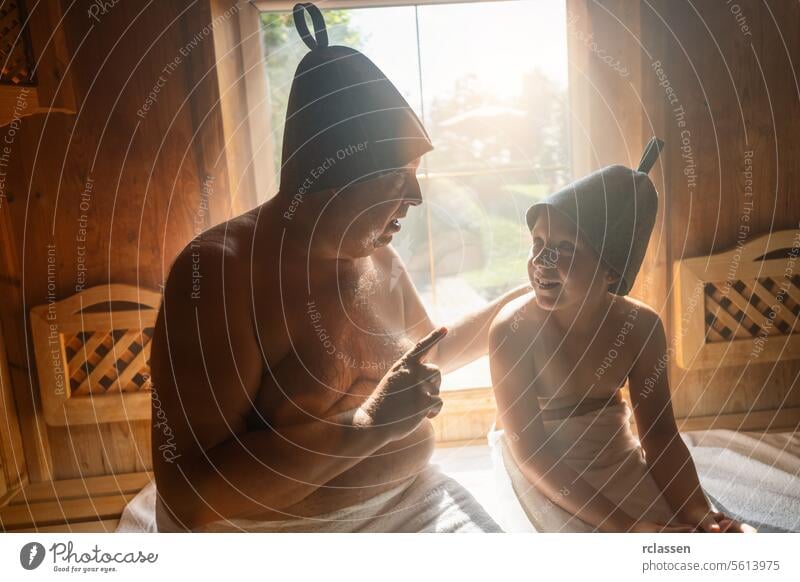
(244, 103)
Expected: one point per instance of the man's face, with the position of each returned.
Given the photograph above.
(563, 269)
(366, 215)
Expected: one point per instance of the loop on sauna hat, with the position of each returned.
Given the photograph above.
(614, 209)
(345, 121)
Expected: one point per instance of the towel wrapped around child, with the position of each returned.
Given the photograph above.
(601, 447)
(429, 502)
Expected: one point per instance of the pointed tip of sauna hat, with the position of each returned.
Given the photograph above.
(345, 121)
(615, 209)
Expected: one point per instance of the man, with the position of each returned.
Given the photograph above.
(295, 384)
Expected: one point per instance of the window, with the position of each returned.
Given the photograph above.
(489, 81)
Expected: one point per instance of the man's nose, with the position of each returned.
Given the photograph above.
(413, 192)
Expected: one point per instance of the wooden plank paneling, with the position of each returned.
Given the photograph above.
(12, 458)
(79, 505)
(57, 512)
(737, 93)
(101, 526)
(103, 449)
(117, 189)
(80, 488)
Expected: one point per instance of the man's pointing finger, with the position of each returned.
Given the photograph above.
(424, 345)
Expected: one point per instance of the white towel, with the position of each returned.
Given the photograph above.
(430, 502)
(602, 449)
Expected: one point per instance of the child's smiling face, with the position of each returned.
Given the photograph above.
(563, 269)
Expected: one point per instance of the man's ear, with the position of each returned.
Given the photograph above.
(612, 278)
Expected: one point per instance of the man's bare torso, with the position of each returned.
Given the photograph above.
(328, 333)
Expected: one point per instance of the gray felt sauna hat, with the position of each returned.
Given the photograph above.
(615, 209)
(345, 120)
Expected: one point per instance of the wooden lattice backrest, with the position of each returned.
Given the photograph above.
(741, 305)
(92, 355)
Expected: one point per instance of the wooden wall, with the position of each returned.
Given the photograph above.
(148, 180)
(736, 76)
(727, 84)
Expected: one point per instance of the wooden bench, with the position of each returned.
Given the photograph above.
(74, 505)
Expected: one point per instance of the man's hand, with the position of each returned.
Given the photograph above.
(408, 392)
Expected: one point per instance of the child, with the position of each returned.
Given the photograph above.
(560, 355)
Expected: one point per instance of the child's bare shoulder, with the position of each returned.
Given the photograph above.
(519, 314)
(643, 318)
